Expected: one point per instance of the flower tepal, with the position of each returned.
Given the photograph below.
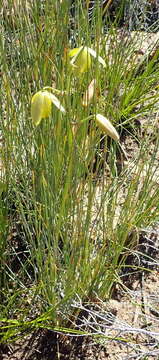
(41, 105)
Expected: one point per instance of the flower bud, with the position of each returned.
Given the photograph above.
(89, 94)
(107, 126)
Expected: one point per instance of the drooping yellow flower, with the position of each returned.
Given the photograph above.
(41, 105)
(81, 59)
(107, 126)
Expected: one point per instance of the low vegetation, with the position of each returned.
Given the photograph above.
(73, 198)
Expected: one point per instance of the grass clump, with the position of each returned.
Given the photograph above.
(65, 223)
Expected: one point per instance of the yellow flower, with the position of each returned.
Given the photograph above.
(81, 59)
(107, 126)
(41, 105)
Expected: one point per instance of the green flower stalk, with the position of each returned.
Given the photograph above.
(41, 105)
